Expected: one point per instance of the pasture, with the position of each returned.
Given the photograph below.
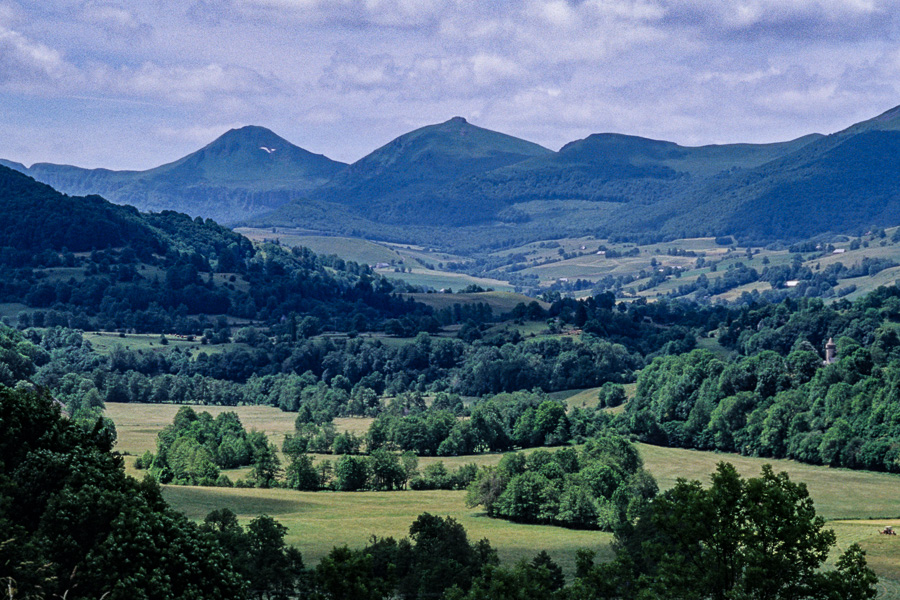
(857, 504)
(545, 261)
(500, 302)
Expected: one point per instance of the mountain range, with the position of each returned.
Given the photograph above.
(244, 172)
(456, 185)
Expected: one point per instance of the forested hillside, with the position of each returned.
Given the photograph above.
(90, 264)
(777, 398)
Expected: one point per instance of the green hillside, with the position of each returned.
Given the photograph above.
(614, 186)
(461, 188)
(91, 264)
(402, 181)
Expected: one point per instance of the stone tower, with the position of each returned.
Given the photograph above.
(830, 351)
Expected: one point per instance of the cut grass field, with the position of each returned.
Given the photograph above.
(318, 521)
(358, 250)
(500, 302)
(438, 280)
(856, 503)
(137, 425)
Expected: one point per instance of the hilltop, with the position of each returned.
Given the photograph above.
(93, 264)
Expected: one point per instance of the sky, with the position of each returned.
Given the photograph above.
(132, 85)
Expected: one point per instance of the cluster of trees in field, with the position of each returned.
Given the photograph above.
(380, 470)
(193, 449)
(279, 371)
(329, 378)
(600, 486)
(495, 424)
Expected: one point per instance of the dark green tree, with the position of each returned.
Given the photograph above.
(758, 538)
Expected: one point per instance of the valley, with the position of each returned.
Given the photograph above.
(856, 504)
(536, 347)
(586, 265)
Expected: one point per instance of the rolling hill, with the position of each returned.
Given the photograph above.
(103, 265)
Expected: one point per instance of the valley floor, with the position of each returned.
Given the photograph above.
(857, 504)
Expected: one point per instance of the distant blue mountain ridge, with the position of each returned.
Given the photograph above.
(456, 185)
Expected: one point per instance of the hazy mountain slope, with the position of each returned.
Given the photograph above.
(13, 165)
(426, 185)
(250, 158)
(403, 180)
(244, 172)
(843, 182)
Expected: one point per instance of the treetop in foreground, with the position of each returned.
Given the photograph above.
(757, 538)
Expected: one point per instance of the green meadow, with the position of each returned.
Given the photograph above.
(857, 504)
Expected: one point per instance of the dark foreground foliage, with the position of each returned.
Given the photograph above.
(75, 526)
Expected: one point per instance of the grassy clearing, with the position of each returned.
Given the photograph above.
(148, 342)
(137, 425)
(500, 302)
(357, 250)
(318, 521)
(712, 344)
(578, 398)
(13, 309)
(838, 493)
(439, 280)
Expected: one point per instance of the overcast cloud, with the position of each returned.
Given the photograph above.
(133, 85)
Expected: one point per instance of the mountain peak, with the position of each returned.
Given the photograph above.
(253, 136)
(458, 120)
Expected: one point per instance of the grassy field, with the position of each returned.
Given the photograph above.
(439, 280)
(318, 521)
(838, 493)
(578, 258)
(137, 425)
(12, 310)
(500, 302)
(103, 342)
(424, 262)
(856, 503)
(360, 251)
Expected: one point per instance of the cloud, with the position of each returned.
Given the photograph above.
(785, 19)
(197, 135)
(352, 74)
(114, 19)
(191, 85)
(28, 65)
(358, 13)
(357, 71)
